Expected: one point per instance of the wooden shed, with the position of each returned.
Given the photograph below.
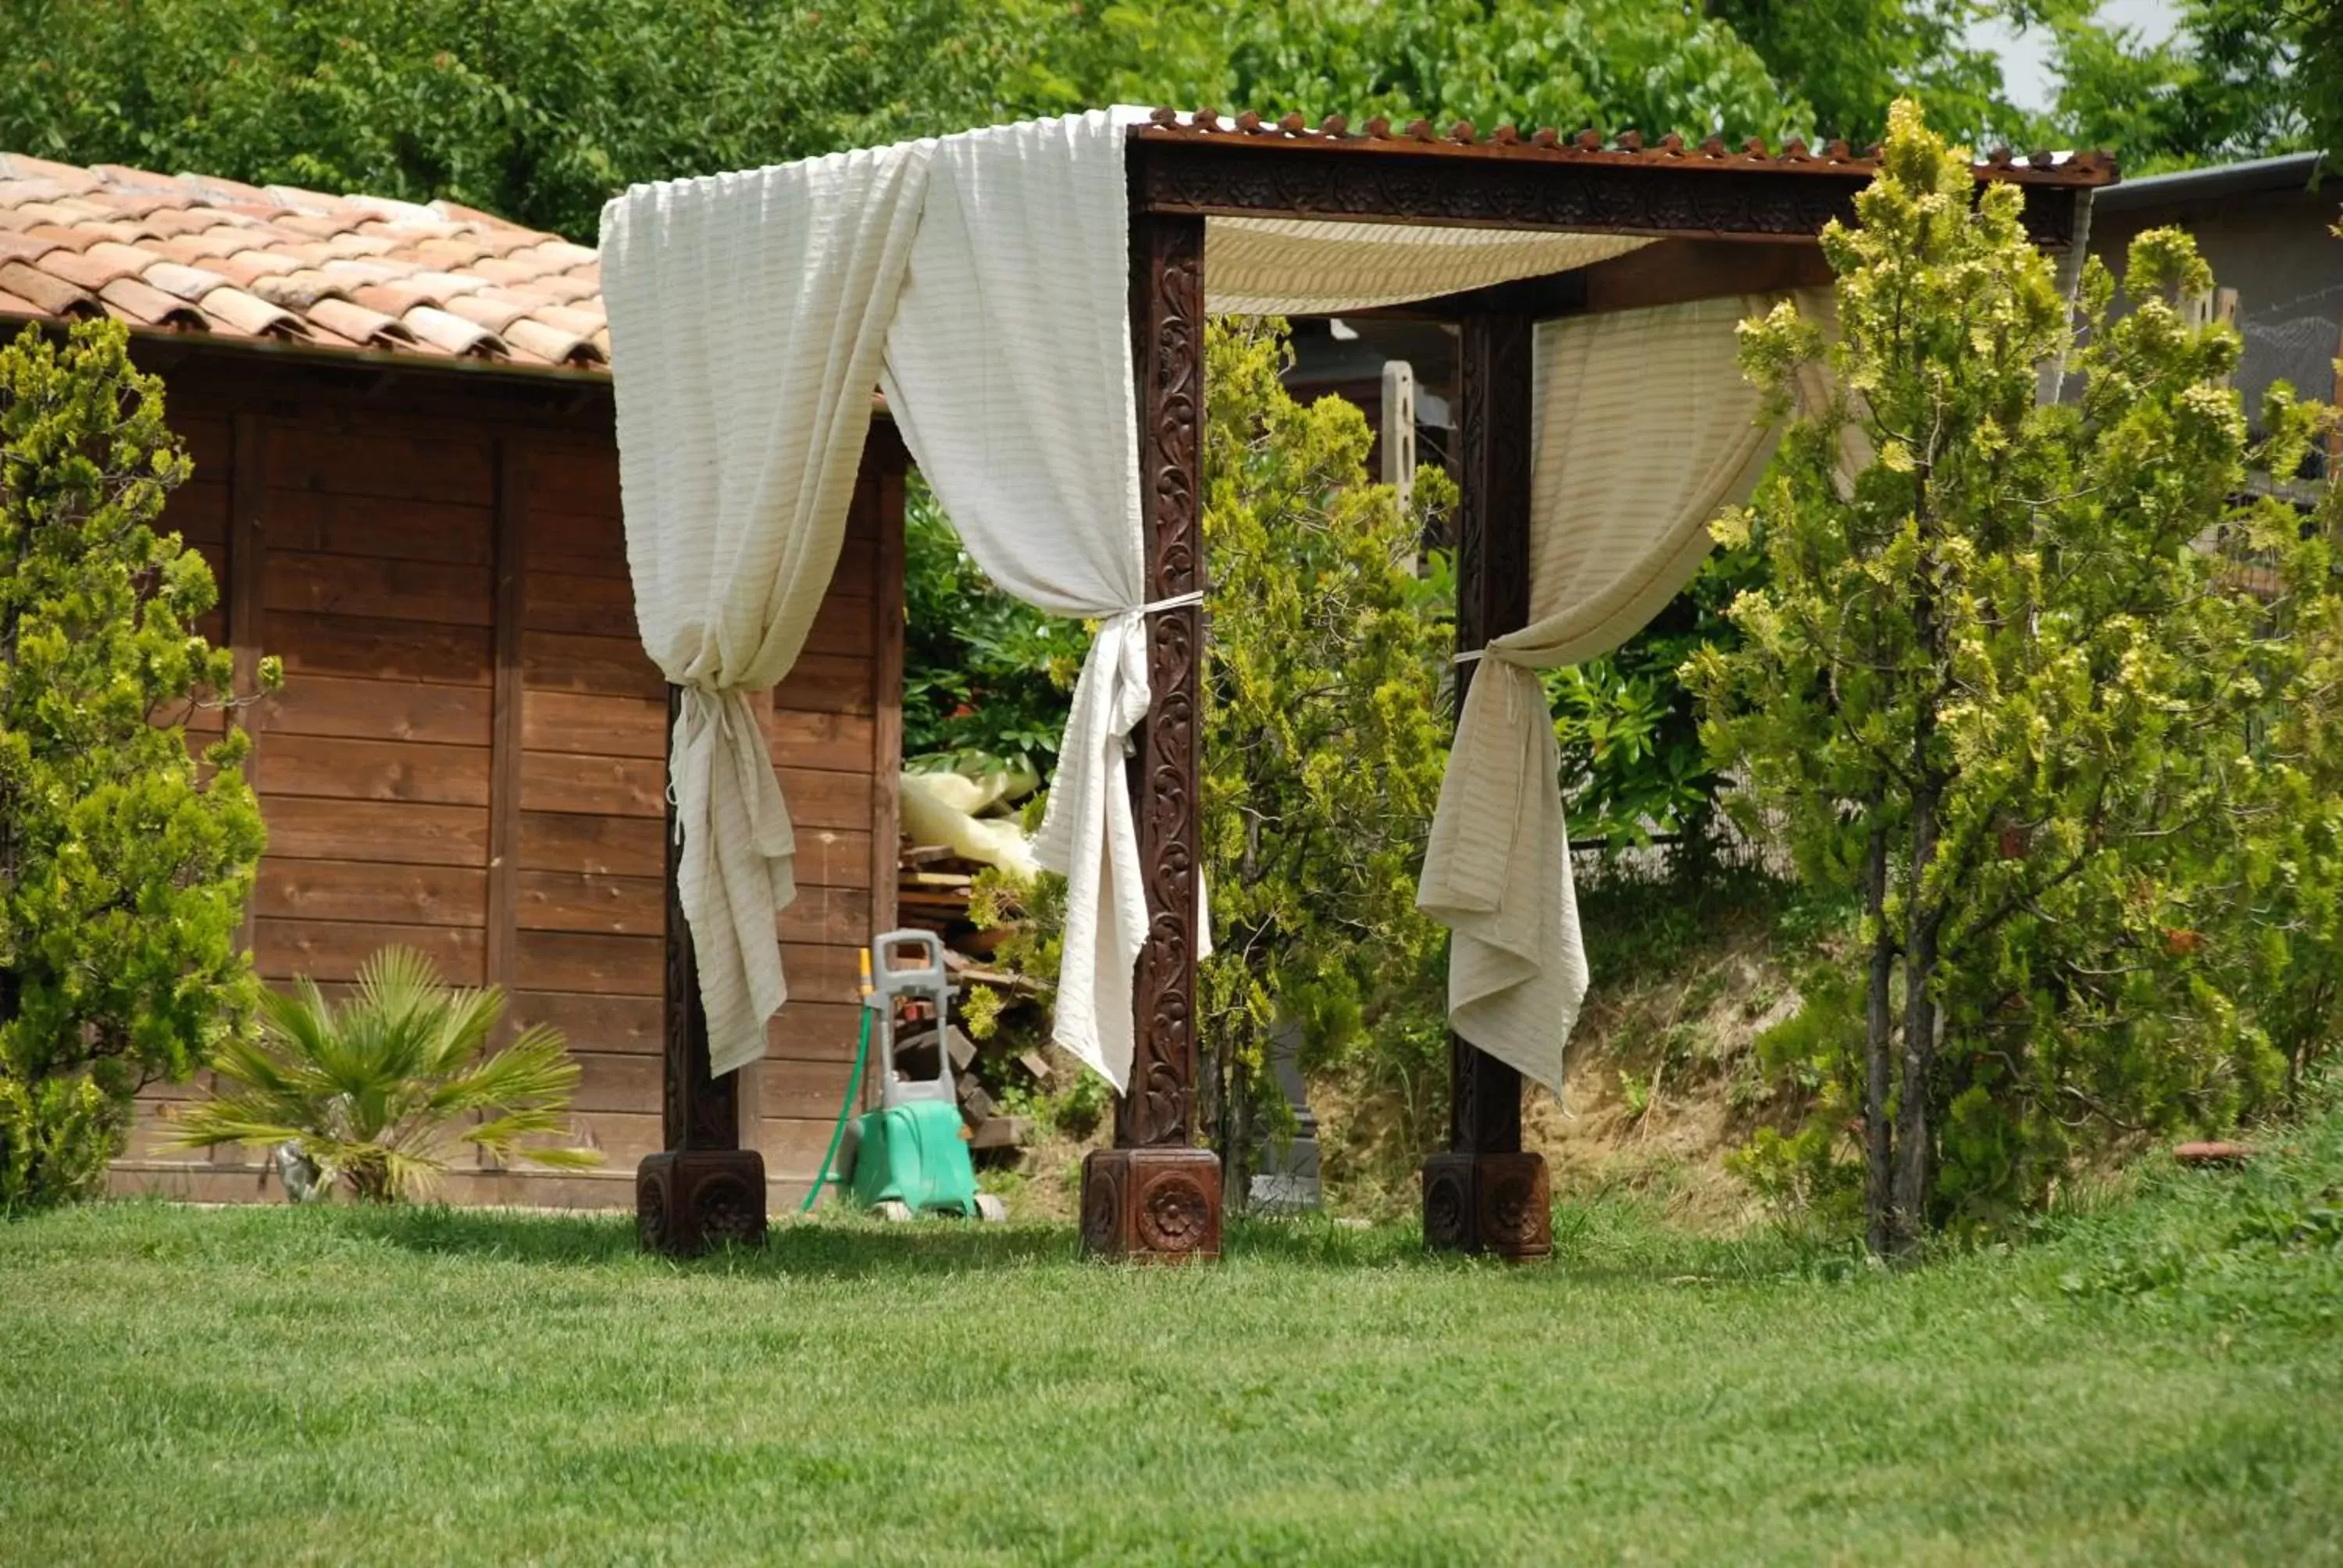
(407, 484)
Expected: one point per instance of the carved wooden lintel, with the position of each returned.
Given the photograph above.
(1229, 177)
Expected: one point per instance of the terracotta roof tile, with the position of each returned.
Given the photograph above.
(52, 293)
(250, 314)
(341, 274)
(91, 270)
(495, 314)
(396, 297)
(452, 332)
(245, 266)
(14, 247)
(150, 306)
(65, 235)
(189, 283)
(553, 344)
(355, 324)
(1249, 128)
(300, 292)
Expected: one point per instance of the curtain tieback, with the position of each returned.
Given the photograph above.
(1177, 601)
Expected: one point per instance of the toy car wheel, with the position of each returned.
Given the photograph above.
(990, 1209)
(895, 1209)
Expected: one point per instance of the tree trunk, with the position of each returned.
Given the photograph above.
(1879, 1064)
(1915, 1167)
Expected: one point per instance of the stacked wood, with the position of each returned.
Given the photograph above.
(987, 1128)
(933, 885)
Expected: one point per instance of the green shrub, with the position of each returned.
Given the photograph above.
(125, 864)
(56, 1136)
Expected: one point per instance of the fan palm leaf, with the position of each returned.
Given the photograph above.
(380, 1091)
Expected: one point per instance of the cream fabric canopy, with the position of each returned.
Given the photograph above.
(983, 279)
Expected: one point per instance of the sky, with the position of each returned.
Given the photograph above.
(2026, 56)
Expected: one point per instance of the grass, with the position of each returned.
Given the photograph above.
(2154, 1380)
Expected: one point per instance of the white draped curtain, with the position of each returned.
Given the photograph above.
(1009, 374)
(745, 341)
(1644, 426)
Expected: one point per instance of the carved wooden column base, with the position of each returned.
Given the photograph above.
(1498, 1204)
(692, 1201)
(1158, 1205)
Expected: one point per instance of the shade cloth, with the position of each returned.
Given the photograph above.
(1643, 425)
(1310, 266)
(984, 279)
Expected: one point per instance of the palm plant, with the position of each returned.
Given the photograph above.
(379, 1092)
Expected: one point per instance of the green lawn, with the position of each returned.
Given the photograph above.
(2160, 1381)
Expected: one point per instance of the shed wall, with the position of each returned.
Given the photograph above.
(467, 756)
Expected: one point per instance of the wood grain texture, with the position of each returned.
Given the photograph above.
(887, 696)
(379, 649)
(1168, 318)
(333, 949)
(319, 522)
(508, 701)
(380, 464)
(247, 559)
(399, 831)
(386, 710)
(337, 767)
(370, 890)
(430, 591)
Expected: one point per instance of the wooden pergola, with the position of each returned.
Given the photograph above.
(1730, 221)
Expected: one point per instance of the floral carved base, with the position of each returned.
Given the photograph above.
(1496, 1203)
(693, 1201)
(1156, 1205)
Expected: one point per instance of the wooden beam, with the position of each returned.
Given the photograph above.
(1675, 271)
(1154, 1195)
(1484, 1193)
(703, 1188)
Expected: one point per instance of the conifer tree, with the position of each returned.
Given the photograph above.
(124, 863)
(2002, 690)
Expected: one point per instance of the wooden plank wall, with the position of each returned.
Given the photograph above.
(467, 756)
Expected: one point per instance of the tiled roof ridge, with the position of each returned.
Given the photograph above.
(1621, 147)
(192, 252)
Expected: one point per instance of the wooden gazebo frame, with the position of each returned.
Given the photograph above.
(1733, 222)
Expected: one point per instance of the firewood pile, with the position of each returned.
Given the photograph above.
(933, 888)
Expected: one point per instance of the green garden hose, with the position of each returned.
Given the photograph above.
(853, 1084)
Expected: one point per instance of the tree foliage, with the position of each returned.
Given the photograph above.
(2236, 79)
(1325, 736)
(378, 1091)
(1999, 687)
(124, 865)
(985, 674)
(540, 110)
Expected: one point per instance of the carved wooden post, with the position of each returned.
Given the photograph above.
(1154, 1195)
(1483, 1194)
(703, 1188)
